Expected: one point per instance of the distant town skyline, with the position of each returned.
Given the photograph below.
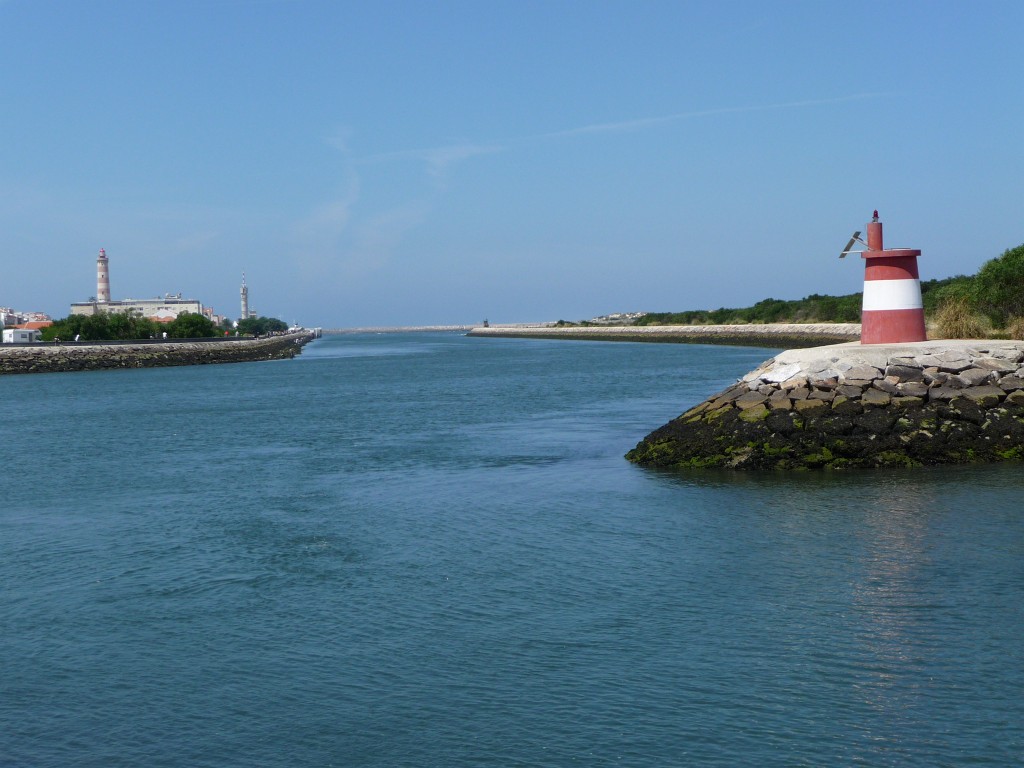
(407, 164)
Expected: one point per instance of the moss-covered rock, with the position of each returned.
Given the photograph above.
(895, 419)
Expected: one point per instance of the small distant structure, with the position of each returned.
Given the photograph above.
(21, 335)
(892, 311)
(617, 318)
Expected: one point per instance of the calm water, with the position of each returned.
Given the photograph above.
(427, 550)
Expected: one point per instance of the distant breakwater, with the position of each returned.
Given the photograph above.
(787, 335)
(853, 405)
(55, 358)
(399, 329)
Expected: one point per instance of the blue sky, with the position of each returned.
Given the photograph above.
(407, 163)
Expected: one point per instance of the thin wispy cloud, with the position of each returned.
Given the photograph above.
(339, 139)
(623, 126)
(439, 160)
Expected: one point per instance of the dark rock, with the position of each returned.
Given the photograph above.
(966, 409)
(862, 373)
(886, 385)
(905, 372)
(835, 423)
(849, 390)
(803, 406)
(943, 393)
(750, 400)
(955, 367)
(875, 397)
(846, 406)
(1010, 383)
(972, 377)
(782, 422)
(875, 420)
(913, 389)
(908, 401)
(729, 397)
(906, 362)
(986, 396)
(995, 364)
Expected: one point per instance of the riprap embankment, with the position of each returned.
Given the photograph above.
(853, 405)
(53, 358)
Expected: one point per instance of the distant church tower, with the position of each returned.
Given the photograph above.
(245, 299)
(102, 278)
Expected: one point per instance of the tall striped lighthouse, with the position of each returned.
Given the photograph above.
(102, 278)
(892, 311)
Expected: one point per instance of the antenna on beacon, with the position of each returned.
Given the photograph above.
(855, 238)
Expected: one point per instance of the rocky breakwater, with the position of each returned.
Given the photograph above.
(853, 405)
(98, 356)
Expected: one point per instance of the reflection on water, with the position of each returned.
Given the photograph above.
(894, 597)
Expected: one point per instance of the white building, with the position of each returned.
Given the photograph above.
(21, 335)
(166, 308)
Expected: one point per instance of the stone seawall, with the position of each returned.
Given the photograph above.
(848, 405)
(59, 358)
(767, 335)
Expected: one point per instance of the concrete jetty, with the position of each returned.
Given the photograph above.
(763, 335)
(854, 405)
(54, 358)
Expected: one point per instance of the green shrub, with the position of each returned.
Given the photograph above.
(999, 286)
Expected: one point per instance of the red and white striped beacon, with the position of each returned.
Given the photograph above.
(892, 311)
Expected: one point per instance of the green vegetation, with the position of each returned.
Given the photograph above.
(990, 303)
(815, 308)
(997, 291)
(812, 309)
(125, 326)
(261, 326)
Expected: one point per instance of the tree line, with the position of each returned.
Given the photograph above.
(129, 326)
(988, 303)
